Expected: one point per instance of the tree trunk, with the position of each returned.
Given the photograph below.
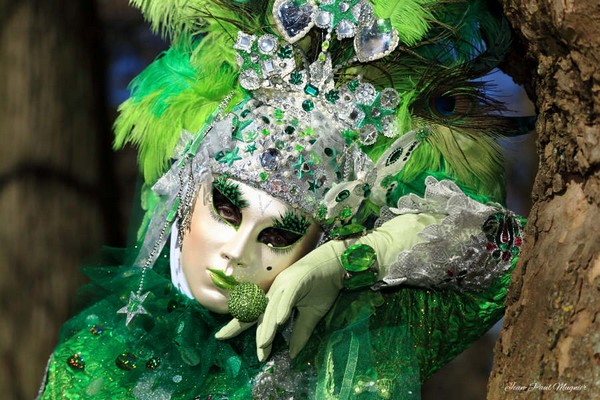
(51, 166)
(549, 347)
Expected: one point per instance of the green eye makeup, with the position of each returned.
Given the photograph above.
(290, 221)
(230, 190)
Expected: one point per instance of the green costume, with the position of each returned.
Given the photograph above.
(366, 130)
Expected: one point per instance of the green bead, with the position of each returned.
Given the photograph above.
(126, 361)
(247, 302)
(325, 45)
(308, 105)
(311, 90)
(278, 114)
(358, 258)
(289, 129)
(264, 176)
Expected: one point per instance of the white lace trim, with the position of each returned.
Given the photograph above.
(455, 251)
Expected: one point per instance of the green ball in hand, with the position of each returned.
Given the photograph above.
(247, 301)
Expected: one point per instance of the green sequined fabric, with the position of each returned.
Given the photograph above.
(371, 345)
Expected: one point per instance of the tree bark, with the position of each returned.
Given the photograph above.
(549, 347)
(52, 165)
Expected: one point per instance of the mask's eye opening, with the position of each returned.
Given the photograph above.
(278, 238)
(225, 209)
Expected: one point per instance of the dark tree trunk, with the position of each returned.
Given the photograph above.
(52, 164)
(550, 341)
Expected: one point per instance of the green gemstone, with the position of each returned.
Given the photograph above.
(346, 231)
(278, 114)
(264, 176)
(353, 85)
(361, 280)
(296, 78)
(322, 57)
(332, 96)
(299, 148)
(245, 113)
(280, 144)
(285, 52)
(345, 213)
(308, 105)
(358, 258)
(126, 361)
(325, 45)
(265, 132)
(311, 90)
(289, 129)
(247, 301)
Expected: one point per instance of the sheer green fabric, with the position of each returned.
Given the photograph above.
(371, 345)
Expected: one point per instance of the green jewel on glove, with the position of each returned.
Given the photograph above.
(358, 261)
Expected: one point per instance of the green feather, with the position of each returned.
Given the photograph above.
(409, 17)
(168, 97)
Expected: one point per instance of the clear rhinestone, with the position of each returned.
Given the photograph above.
(323, 19)
(344, 7)
(389, 98)
(270, 158)
(345, 29)
(356, 115)
(249, 79)
(293, 21)
(375, 41)
(239, 59)
(363, 12)
(367, 135)
(254, 58)
(268, 67)
(389, 126)
(267, 44)
(244, 42)
(365, 93)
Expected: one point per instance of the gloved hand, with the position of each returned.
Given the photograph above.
(313, 283)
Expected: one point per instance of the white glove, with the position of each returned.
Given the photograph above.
(312, 284)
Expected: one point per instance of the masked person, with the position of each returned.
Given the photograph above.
(325, 172)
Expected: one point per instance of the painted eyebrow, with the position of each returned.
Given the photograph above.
(231, 191)
(293, 222)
